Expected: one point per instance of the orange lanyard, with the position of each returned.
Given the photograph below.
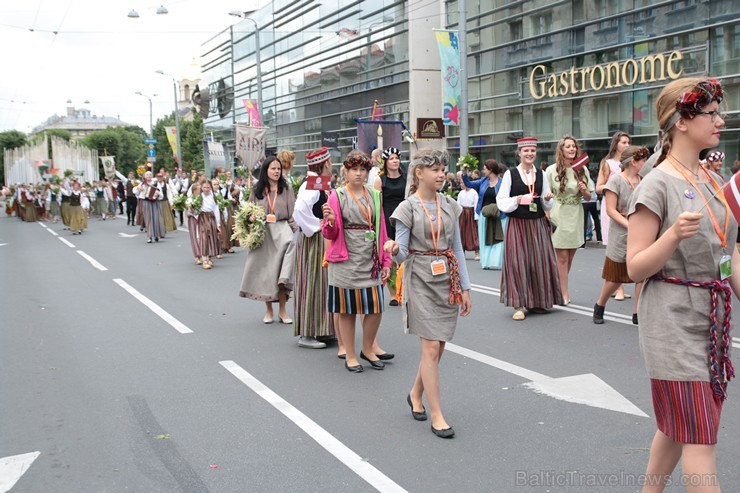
(632, 185)
(534, 181)
(435, 238)
(367, 212)
(720, 234)
(271, 202)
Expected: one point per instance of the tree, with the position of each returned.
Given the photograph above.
(11, 139)
(126, 143)
(191, 140)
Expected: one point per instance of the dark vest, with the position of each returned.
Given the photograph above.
(65, 199)
(316, 209)
(74, 199)
(518, 187)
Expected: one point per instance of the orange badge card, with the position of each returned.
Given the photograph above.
(318, 183)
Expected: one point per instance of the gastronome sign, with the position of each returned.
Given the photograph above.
(650, 68)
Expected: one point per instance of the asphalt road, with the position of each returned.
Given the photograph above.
(203, 397)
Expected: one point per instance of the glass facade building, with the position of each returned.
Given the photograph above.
(540, 67)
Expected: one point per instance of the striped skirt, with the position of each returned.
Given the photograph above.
(469, 230)
(356, 301)
(615, 272)
(208, 235)
(687, 412)
(225, 235)
(193, 232)
(310, 318)
(151, 213)
(139, 219)
(530, 272)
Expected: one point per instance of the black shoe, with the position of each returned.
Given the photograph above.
(422, 416)
(156, 239)
(342, 356)
(377, 364)
(394, 302)
(599, 314)
(446, 433)
(385, 356)
(149, 240)
(634, 319)
(354, 369)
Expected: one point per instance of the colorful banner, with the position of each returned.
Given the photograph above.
(109, 166)
(250, 144)
(372, 134)
(449, 54)
(253, 112)
(172, 139)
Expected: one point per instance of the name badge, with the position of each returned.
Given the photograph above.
(725, 267)
(271, 218)
(439, 267)
(369, 236)
(533, 207)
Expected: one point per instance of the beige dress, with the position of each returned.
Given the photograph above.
(426, 308)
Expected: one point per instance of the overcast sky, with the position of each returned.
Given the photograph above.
(100, 55)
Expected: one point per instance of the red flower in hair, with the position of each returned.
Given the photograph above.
(691, 103)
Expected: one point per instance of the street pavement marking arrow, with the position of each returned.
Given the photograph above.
(587, 389)
(13, 467)
(3, 244)
(125, 235)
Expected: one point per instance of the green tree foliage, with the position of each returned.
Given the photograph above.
(9, 140)
(191, 139)
(126, 143)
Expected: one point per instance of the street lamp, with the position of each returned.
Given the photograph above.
(244, 15)
(151, 128)
(177, 117)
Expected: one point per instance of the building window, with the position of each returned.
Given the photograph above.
(515, 30)
(544, 123)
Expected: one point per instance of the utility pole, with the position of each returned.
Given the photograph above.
(463, 44)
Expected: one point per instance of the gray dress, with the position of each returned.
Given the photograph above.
(426, 308)
(674, 319)
(355, 272)
(616, 249)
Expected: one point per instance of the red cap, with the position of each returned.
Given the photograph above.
(526, 142)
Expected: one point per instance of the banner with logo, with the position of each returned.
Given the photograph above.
(449, 54)
(374, 134)
(253, 112)
(250, 144)
(109, 164)
(172, 139)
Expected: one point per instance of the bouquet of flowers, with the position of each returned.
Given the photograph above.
(140, 170)
(246, 192)
(179, 202)
(68, 172)
(195, 203)
(240, 171)
(222, 202)
(249, 225)
(467, 161)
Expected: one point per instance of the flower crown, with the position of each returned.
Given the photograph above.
(691, 103)
(357, 160)
(642, 153)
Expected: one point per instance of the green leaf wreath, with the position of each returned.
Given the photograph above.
(251, 234)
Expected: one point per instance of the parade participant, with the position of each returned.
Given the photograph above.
(131, 200)
(392, 183)
(490, 243)
(268, 270)
(120, 194)
(568, 186)
(715, 161)
(152, 218)
(55, 197)
(99, 205)
(182, 187)
(610, 166)
(226, 216)
(287, 160)
(165, 200)
(467, 199)
(617, 193)
(110, 200)
(77, 218)
(310, 318)
(30, 215)
(192, 216)
(358, 265)
(64, 206)
(683, 251)
(376, 161)
(529, 277)
(436, 286)
(209, 225)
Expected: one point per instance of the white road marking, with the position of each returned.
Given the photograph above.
(587, 389)
(41, 224)
(159, 311)
(736, 342)
(124, 235)
(13, 467)
(349, 458)
(52, 231)
(64, 240)
(3, 244)
(180, 228)
(94, 262)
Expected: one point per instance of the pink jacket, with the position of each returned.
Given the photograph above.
(337, 251)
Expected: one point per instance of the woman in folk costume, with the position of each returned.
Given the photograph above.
(151, 210)
(610, 166)
(77, 217)
(209, 225)
(55, 197)
(685, 254)
(310, 317)
(569, 181)
(436, 287)
(529, 278)
(358, 265)
(111, 195)
(617, 193)
(467, 198)
(192, 216)
(64, 206)
(227, 213)
(100, 204)
(268, 270)
(165, 202)
(30, 214)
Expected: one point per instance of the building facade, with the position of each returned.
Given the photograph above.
(79, 122)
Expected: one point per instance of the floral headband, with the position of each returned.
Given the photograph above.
(357, 160)
(691, 103)
(640, 154)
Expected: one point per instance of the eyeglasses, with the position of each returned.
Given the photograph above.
(714, 114)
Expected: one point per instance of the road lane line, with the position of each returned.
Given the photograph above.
(736, 342)
(159, 311)
(349, 458)
(52, 231)
(41, 224)
(63, 240)
(94, 262)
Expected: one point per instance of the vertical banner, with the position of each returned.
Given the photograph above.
(109, 163)
(250, 144)
(172, 139)
(253, 112)
(372, 134)
(449, 55)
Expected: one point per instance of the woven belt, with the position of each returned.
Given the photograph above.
(455, 297)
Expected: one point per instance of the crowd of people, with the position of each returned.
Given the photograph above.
(335, 250)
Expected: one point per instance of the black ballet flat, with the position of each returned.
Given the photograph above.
(354, 369)
(422, 416)
(385, 356)
(377, 365)
(342, 356)
(446, 433)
